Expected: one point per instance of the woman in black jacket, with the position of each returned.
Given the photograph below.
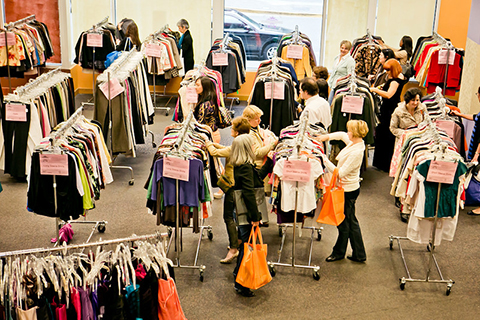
(186, 44)
(247, 178)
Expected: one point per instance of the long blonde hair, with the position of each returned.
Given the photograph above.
(242, 151)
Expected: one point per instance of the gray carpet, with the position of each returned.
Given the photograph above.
(346, 290)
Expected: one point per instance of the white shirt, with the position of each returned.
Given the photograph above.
(342, 67)
(318, 110)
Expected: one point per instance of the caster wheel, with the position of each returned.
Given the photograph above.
(210, 235)
(449, 290)
(154, 145)
(273, 272)
(131, 182)
(391, 245)
(166, 114)
(402, 284)
(237, 101)
(316, 276)
(280, 232)
(101, 228)
(201, 277)
(319, 235)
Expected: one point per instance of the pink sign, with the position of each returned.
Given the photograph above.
(442, 172)
(295, 52)
(220, 59)
(11, 39)
(447, 126)
(192, 96)
(115, 88)
(278, 91)
(352, 104)
(296, 170)
(176, 168)
(442, 57)
(153, 50)
(54, 164)
(94, 40)
(15, 112)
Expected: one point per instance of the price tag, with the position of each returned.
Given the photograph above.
(220, 59)
(153, 50)
(278, 91)
(352, 104)
(295, 52)
(94, 40)
(192, 96)
(176, 168)
(442, 172)
(11, 39)
(115, 88)
(54, 164)
(297, 170)
(16, 112)
(447, 126)
(442, 57)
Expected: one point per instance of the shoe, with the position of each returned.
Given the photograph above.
(404, 217)
(472, 213)
(228, 260)
(398, 203)
(245, 292)
(355, 259)
(218, 195)
(332, 258)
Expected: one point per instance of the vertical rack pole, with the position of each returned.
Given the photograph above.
(93, 76)
(446, 70)
(154, 92)
(177, 222)
(295, 224)
(8, 64)
(110, 113)
(434, 231)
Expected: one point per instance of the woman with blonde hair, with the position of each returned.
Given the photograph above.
(343, 65)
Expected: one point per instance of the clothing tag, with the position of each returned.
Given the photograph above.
(192, 96)
(295, 52)
(442, 57)
(94, 40)
(11, 40)
(352, 104)
(153, 50)
(54, 164)
(447, 126)
(16, 112)
(220, 59)
(115, 88)
(176, 168)
(278, 91)
(297, 170)
(442, 171)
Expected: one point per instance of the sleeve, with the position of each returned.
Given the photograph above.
(266, 168)
(248, 191)
(199, 113)
(330, 166)
(339, 135)
(259, 150)
(187, 43)
(401, 55)
(394, 125)
(351, 65)
(350, 165)
(216, 151)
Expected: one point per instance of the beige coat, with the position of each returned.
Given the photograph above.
(402, 119)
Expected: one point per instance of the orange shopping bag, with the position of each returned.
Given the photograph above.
(253, 272)
(333, 203)
(169, 307)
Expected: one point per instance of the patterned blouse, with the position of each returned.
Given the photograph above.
(207, 113)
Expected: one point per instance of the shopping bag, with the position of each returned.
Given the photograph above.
(333, 203)
(169, 307)
(224, 118)
(241, 207)
(253, 272)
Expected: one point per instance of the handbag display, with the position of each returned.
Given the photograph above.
(224, 118)
(224, 183)
(241, 208)
(253, 272)
(333, 203)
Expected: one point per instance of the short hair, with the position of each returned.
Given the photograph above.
(411, 94)
(388, 54)
(394, 66)
(309, 86)
(251, 112)
(347, 44)
(183, 23)
(241, 125)
(358, 128)
(242, 151)
(322, 85)
(320, 72)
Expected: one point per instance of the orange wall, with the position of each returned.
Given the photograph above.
(453, 20)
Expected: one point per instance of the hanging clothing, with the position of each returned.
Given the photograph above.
(84, 55)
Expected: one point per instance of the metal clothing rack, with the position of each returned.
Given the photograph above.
(298, 144)
(448, 45)
(225, 42)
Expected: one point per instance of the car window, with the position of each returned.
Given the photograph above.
(232, 23)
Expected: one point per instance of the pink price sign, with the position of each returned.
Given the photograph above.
(11, 40)
(447, 126)
(176, 168)
(278, 91)
(297, 170)
(15, 112)
(115, 88)
(192, 96)
(220, 59)
(54, 164)
(352, 104)
(295, 52)
(442, 57)
(153, 50)
(442, 172)
(94, 40)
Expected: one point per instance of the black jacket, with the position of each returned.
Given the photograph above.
(187, 51)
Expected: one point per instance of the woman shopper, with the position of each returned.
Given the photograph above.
(405, 52)
(349, 162)
(186, 44)
(131, 39)
(206, 109)
(343, 65)
(240, 126)
(390, 93)
(381, 76)
(247, 178)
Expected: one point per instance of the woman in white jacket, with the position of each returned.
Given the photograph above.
(343, 65)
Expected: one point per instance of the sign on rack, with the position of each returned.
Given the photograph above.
(115, 88)
(220, 59)
(15, 112)
(296, 170)
(442, 171)
(153, 50)
(94, 40)
(278, 91)
(11, 39)
(192, 96)
(295, 52)
(442, 57)
(176, 168)
(352, 104)
(54, 164)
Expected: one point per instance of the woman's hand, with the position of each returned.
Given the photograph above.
(373, 89)
(271, 154)
(455, 113)
(256, 223)
(475, 158)
(322, 138)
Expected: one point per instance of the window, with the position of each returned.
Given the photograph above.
(233, 23)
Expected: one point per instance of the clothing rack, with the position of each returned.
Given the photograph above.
(448, 45)
(226, 40)
(299, 143)
(34, 83)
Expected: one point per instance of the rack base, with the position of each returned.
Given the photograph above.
(154, 145)
(427, 279)
(165, 106)
(132, 179)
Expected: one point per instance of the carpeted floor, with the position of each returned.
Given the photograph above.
(346, 290)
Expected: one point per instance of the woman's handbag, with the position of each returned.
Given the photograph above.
(224, 183)
(112, 56)
(253, 272)
(224, 118)
(333, 203)
(241, 208)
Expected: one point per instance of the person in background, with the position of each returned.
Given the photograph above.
(349, 163)
(343, 65)
(122, 29)
(240, 126)
(322, 85)
(320, 72)
(405, 52)
(247, 178)
(131, 38)
(317, 107)
(206, 109)
(381, 76)
(186, 44)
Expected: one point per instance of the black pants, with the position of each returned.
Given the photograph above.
(228, 208)
(243, 233)
(349, 229)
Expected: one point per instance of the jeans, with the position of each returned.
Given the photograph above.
(243, 234)
(228, 217)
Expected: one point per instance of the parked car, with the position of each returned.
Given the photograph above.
(260, 41)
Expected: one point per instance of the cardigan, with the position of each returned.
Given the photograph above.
(342, 68)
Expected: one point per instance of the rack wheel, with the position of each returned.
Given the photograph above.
(167, 113)
(280, 231)
(170, 232)
(237, 101)
(449, 290)
(272, 271)
(402, 284)
(319, 235)
(131, 182)
(154, 145)
(101, 228)
(391, 244)
(316, 276)
(201, 276)
(210, 235)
